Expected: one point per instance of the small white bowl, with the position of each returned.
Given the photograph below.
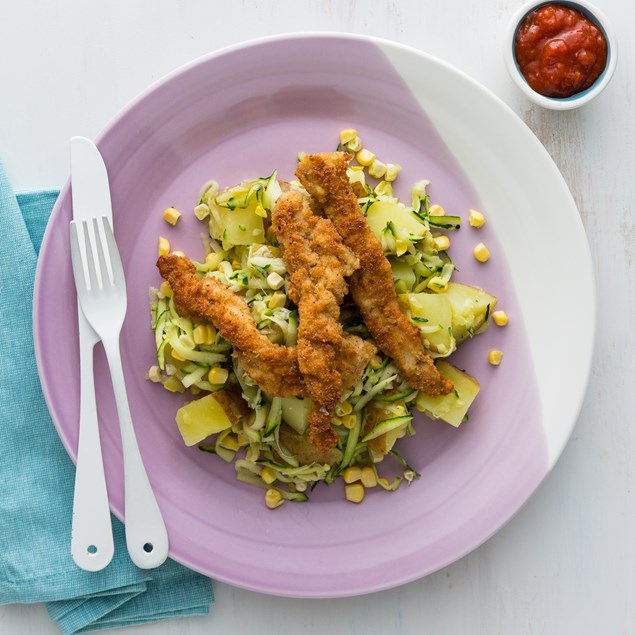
(579, 99)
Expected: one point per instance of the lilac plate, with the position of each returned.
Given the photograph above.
(241, 113)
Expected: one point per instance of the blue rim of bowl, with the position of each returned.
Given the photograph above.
(578, 99)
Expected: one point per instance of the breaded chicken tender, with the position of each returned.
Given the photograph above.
(372, 287)
(318, 263)
(273, 367)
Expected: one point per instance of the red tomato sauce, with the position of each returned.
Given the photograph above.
(559, 50)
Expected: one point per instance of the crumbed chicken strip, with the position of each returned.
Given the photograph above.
(273, 367)
(372, 287)
(318, 263)
(354, 356)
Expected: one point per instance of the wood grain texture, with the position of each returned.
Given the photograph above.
(565, 563)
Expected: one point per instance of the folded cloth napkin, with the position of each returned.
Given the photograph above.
(37, 476)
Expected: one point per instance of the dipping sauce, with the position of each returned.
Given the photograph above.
(559, 50)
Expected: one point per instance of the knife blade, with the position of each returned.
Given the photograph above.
(92, 545)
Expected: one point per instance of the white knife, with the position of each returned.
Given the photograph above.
(92, 545)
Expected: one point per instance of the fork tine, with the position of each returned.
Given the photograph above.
(105, 278)
(115, 259)
(76, 257)
(94, 283)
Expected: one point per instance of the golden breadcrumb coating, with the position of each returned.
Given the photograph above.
(372, 287)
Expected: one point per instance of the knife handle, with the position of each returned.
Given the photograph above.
(92, 545)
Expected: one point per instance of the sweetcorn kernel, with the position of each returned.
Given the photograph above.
(351, 474)
(392, 170)
(346, 136)
(273, 498)
(260, 211)
(172, 215)
(349, 421)
(375, 362)
(481, 253)
(377, 169)
(495, 357)
(475, 218)
(201, 211)
(204, 334)
(441, 243)
(166, 289)
(268, 475)
(355, 145)
(277, 300)
(343, 408)
(369, 477)
(365, 157)
(176, 356)
(436, 210)
(438, 284)
(217, 375)
(164, 246)
(213, 260)
(275, 280)
(500, 318)
(354, 492)
(180, 254)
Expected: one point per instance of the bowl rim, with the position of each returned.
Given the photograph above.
(579, 99)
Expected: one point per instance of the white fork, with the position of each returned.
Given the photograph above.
(103, 302)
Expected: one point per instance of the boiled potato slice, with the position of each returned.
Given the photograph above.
(432, 313)
(404, 221)
(242, 227)
(450, 408)
(231, 222)
(200, 418)
(471, 308)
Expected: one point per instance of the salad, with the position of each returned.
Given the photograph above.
(264, 435)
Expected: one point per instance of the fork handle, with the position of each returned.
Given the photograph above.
(146, 535)
(92, 545)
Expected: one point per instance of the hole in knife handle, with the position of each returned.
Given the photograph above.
(92, 550)
(148, 547)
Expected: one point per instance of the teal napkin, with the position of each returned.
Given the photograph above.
(37, 476)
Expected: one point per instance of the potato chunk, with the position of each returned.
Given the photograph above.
(453, 407)
(471, 308)
(211, 414)
(432, 313)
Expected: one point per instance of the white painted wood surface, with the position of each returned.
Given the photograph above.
(566, 563)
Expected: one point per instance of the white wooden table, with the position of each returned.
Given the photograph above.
(566, 563)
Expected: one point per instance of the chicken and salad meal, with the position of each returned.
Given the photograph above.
(320, 313)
